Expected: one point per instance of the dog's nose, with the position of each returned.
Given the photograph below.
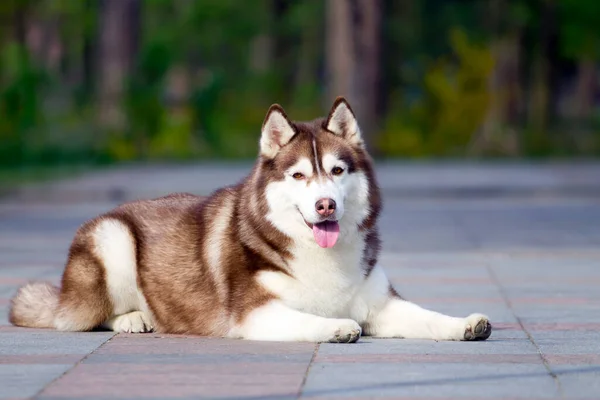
(325, 207)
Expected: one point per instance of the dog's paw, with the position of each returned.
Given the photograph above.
(343, 331)
(478, 327)
(133, 322)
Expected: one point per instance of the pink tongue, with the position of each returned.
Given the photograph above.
(326, 233)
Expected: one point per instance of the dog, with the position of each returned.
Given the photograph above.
(288, 254)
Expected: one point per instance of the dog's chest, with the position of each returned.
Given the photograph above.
(323, 282)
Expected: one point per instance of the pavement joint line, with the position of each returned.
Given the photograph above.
(545, 361)
(35, 396)
(432, 381)
(310, 364)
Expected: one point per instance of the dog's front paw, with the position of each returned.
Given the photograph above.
(342, 331)
(478, 327)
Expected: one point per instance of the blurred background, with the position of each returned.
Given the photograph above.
(88, 82)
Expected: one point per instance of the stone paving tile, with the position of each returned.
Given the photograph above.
(25, 380)
(31, 359)
(157, 380)
(41, 358)
(566, 313)
(449, 292)
(30, 243)
(439, 260)
(567, 342)
(449, 379)
(7, 291)
(437, 396)
(573, 328)
(4, 315)
(23, 341)
(135, 344)
(25, 258)
(582, 381)
(445, 241)
(177, 366)
(504, 344)
(17, 274)
(571, 269)
(576, 293)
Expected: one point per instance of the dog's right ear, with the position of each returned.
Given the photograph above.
(277, 131)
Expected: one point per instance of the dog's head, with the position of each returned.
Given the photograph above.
(317, 177)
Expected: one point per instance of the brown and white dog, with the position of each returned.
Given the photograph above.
(288, 254)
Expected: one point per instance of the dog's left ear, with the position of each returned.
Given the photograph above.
(342, 122)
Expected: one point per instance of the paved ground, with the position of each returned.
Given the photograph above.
(520, 243)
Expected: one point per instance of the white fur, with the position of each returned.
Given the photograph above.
(133, 322)
(325, 281)
(278, 322)
(401, 318)
(214, 243)
(340, 295)
(114, 245)
(303, 166)
(276, 133)
(291, 201)
(330, 161)
(371, 297)
(316, 155)
(62, 322)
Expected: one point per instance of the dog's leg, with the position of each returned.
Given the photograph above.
(133, 322)
(99, 285)
(391, 316)
(275, 321)
(401, 318)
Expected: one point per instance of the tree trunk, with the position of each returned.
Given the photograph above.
(261, 53)
(543, 71)
(367, 77)
(586, 89)
(307, 58)
(339, 50)
(352, 58)
(119, 25)
(580, 132)
(19, 23)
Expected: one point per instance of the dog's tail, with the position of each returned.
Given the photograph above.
(34, 305)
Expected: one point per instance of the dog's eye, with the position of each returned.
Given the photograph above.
(337, 171)
(298, 176)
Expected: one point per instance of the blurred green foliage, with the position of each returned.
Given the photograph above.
(453, 106)
(201, 73)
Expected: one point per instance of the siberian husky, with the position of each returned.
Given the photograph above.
(288, 254)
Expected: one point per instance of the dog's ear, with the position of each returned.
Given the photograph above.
(277, 131)
(342, 122)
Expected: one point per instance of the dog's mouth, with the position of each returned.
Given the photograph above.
(326, 232)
